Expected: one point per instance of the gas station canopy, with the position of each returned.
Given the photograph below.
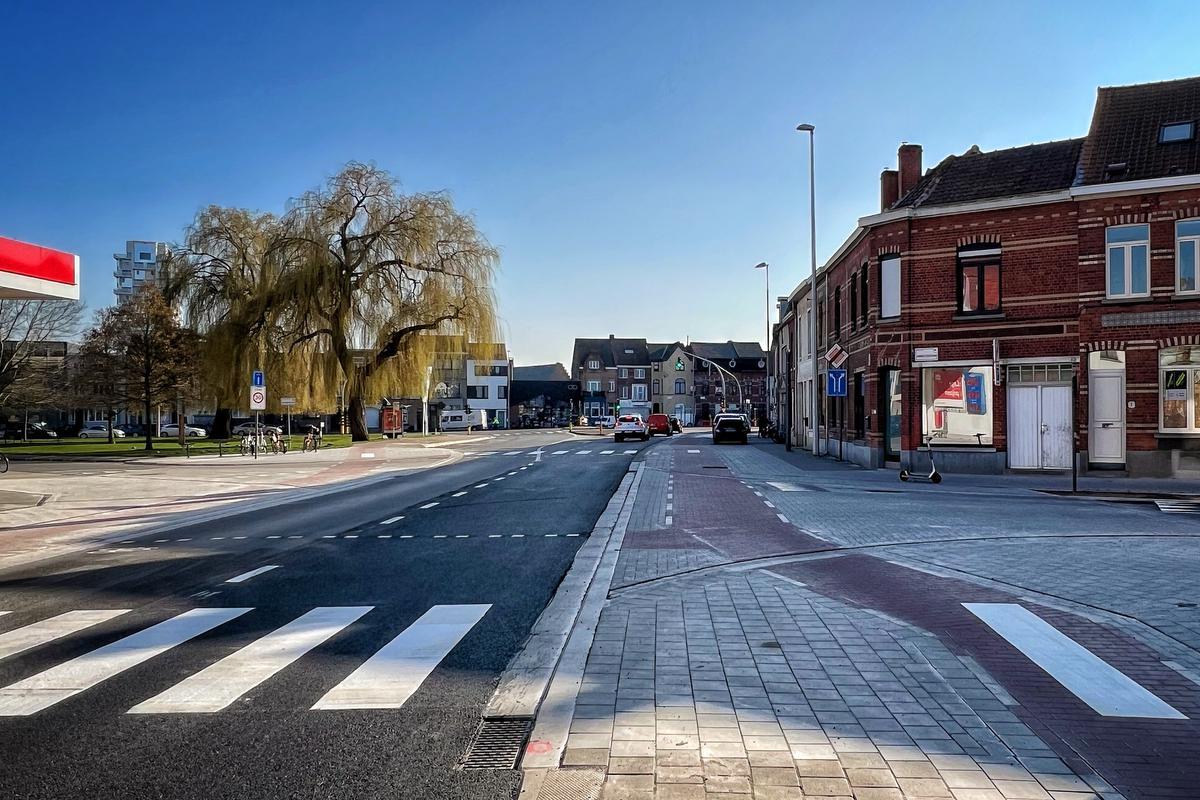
(29, 271)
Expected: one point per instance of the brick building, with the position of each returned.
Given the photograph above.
(1003, 301)
(614, 375)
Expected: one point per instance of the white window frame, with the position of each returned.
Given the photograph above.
(612, 386)
(639, 392)
(1193, 372)
(1194, 238)
(593, 386)
(677, 389)
(639, 373)
(889, 284)
(593, 364)
(1127, 247)
(624, 372)
(625, 392)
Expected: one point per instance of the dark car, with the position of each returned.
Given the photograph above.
(34, 430)
(676, 425)
(658, 423)
(731, 426)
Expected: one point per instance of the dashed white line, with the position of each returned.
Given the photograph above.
(498, 479)
(782, 518)
(329, 536)
(295, 537)
(582, 452)
(693, 451)
(406, 536)
(458, 494)
(768, 504)
(758, 494)
(391, 520)
(514, 472)
(245, 576)
(384, 536)
(480, 485)
(430, 505)
(495, 535)
(351, 536)
(440, 536)
(630, 452)
(513, 453)
(269, 537)
(606, 452)
(560, 452)
(518, 536)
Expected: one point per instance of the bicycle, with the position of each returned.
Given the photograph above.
(244, 446)
(312, 441)
(3, 463)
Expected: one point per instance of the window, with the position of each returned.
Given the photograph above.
(1187, 256)
(860, 405)
(593, 365)
(657, 388)
(863, 296)
(956, 404)
(501, 392)
(143, 256)
(639, 391)
(639, 373)
(854, 301)
(624, 372)
(593, 386)
(477, 392)
(680, 386)
(612, 386)
(1128, 248)
(979, 281)
(1179, 389)
(889, 287)
(837, 313)
(624, 392)
(820, 323)
(1176, 132)
(490, 371)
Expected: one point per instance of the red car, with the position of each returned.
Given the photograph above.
(659, 423)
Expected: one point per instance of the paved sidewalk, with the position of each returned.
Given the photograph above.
(789, 628)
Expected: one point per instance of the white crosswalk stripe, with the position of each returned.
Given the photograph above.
(68, 679)
(1178, 506)
(391, 676)
(39, 633)
(215, 687)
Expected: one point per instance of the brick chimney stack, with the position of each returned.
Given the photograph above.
(889, 188)
(910, 167)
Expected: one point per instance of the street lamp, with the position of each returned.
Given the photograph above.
(804, 127)
(766, 268)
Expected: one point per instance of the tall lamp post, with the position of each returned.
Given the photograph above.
(766, 268)
(804, 127)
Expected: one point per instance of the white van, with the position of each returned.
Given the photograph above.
(459, 420)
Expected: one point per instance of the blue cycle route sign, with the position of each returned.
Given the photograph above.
(835, 383)
(256, 378)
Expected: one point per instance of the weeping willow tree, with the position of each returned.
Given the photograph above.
(349, 291)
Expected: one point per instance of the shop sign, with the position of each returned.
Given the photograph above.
(925, 354)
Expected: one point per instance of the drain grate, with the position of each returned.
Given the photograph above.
(498, 743)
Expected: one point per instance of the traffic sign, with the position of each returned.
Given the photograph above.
(836, 356)
(835, 383)
(258, 398)
(257, 378)
(287, 402)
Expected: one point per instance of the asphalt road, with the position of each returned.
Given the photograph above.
(491, 535)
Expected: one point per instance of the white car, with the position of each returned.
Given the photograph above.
(630, 425)
(172, 431)
(249, 428)
(99, 430)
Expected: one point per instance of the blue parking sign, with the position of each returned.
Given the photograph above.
(835, 383)
(257, 378)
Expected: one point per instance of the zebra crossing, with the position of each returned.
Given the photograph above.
(386, 680)
(1176, 506)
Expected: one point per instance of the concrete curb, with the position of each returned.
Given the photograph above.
(231, 509)
(550, 668)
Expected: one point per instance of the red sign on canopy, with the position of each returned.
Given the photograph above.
(29, 270)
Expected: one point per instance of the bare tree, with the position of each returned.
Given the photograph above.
(27, 327)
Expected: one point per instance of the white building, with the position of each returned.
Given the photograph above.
(137, 266)
(487, 385)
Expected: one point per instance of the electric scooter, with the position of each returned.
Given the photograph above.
(933, 477)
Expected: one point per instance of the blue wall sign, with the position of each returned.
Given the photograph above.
(835, 383)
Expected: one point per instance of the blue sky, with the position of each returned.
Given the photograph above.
(631, 160)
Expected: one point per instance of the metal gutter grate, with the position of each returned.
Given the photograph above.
(499, 743)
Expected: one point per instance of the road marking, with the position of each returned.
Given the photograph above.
(350, 536)
(39, 633)
(184, 540)
(560, 452)
(329, 536)
(572, 535)
(1110, 692)
(384, 536)
(391, 520)
(551, 535)
(495, 535)
(670, 495)
(295, 537)
(217, 538)
(768, 504)
(514, 472)
(429, 505)
(245, 576)
(406, 536)
(606, 452)
(367, 455)
(217, 685)
(439, 536)
(498, 479)
(2, 613)
(513, 453)
(518, 536)
(524, 468)
(157, 541)
(239, 537)
(391, 676)
(758, 494)
(630, 452)
(458, 494)
(693, 451)
(783, 519)
(582, 452)
(269, 537)
(480, 485)
(462, 536)
(68, 679)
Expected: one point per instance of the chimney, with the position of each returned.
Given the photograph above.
(889, 188)
(910, 167)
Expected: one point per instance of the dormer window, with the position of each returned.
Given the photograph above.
(1177, 132)
(1114, 171)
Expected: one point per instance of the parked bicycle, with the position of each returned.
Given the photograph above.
(3, 463)
(312, 439)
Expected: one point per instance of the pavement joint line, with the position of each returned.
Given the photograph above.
(551, 693)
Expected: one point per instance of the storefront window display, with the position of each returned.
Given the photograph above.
(956, 404)
(1179, 389)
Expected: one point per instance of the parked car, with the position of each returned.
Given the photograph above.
(99, 430)
(34, 430)
(130, 429)
(676, 425)
(730, 426)
(172, 431)
(630, 425)
(608, 422)
(658, 423)
(252, 427)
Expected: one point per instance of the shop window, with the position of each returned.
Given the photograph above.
(1187, 256)
(1179, 389)
(1127, 260)
(979, 281)
(956, 405)
(889, 287)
